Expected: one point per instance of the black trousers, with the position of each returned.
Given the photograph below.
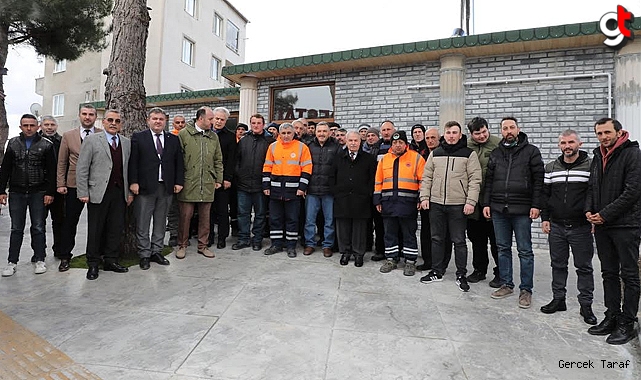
(375, 233)
(283, 222)
(105, 227)
(219, 214)
(57, 211)
(426, 242)
(351, 235)
(618, 250)
(450, 219)
(73, 210)
(479, 232)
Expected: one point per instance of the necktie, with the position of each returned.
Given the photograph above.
(114, 145)
(158, 145)
(352, 155)
(87, 131)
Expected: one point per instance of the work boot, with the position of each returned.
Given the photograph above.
(606, 326)
(554, 306)
(622, 334)
(588, 315)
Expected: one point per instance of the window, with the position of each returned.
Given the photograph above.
(58, 105)
(232, 36)
(215, 68)
(60, 66)
(188, 52)
(87, 96)
(314, 101)
(218, 25)
(190, 7)
(185, 89)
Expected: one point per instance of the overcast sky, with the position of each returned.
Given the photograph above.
(289, 28)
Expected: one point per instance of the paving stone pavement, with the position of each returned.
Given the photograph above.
(243, 315)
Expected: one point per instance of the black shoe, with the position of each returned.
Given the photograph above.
(273, 249)
(291, 252)
(221, 245)
(423, 267)
(257, 246)
(159, 259)
(173, 241)
(358, 261)
(588, 315)
(92, 273)
(378, 257)
(239, 245)
(115, 267)
(345, 258)
(606, 327)
(554, 306)
(144, 263)
(623, 333)
(496, 282)
(64, 265)
(475, 277)
(463, 286)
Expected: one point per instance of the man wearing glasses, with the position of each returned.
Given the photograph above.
(105, 155)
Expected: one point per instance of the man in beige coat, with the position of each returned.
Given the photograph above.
(450, 190)
(66, 179)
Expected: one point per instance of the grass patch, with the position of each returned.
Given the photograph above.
(81, 262)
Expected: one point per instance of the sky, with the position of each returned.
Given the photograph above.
(291, 28)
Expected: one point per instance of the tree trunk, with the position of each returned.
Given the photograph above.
(125, 89)
(4, 125)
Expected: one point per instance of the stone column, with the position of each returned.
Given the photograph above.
(248, 98)
(452, 91)
(627, 87)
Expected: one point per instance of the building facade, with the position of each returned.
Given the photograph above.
(189, 42)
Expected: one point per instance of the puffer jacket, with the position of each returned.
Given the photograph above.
(514, 178)
(615, 190)
(322, 159)
(452, 175)
(29, 170)
(397, 183)
(203, 160)
(250, 157)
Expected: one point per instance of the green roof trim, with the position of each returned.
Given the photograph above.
(511, 36)
(212, 93)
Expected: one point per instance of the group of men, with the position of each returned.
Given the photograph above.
(343, 186)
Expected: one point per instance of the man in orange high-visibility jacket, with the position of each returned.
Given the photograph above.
(396, 191)
(286, 173)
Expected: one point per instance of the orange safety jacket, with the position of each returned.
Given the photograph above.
(397, 183)
(287, 168)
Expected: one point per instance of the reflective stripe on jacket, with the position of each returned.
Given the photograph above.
(397, 183)
(287, 168)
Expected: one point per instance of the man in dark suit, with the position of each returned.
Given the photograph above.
(156, 172)
(102, 183)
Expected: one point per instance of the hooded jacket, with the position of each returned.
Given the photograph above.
(203, 161)
(614, 189)
(452, 175)
(514, 178)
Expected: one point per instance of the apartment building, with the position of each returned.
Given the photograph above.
(189, 42)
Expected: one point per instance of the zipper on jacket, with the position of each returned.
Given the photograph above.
(507, 177)
(445, 183)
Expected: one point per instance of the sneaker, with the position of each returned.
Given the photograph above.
(502, 292)
(10, 270)
(291, 252)
(496, 282)
(40, 267)
(463, 286)
(273, 249)
(410, 268)
(431, 277)
(525, 299)
(389, 266)
(475, 277)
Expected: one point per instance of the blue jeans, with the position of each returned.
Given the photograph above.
(314, 203)
(245, 203)
(521, 226)
(18, 204)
